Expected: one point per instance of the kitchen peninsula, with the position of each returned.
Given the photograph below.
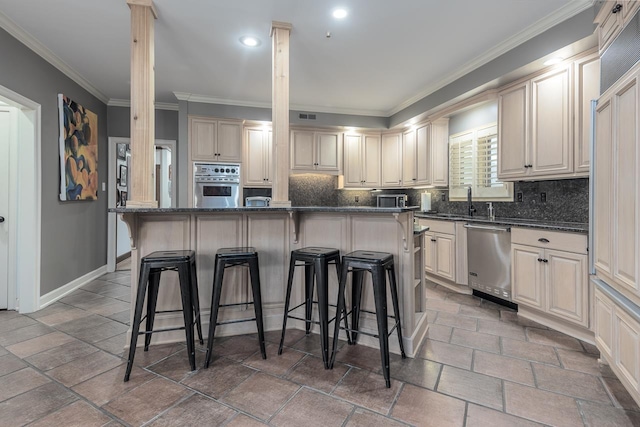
(275, 232)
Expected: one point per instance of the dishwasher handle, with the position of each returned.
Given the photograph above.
(488, 228)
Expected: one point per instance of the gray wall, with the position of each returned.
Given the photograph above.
(74, 234)
(474, 117)
(120, 123)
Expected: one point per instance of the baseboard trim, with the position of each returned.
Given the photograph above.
(64, 290)
(123, 257)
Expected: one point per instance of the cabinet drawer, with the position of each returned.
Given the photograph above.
(447, 227)
(570, 242)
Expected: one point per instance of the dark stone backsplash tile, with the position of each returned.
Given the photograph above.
(567, 200)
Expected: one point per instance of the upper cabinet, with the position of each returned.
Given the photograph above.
(438, 134)
(316, 151)
(544, 123)
(361, 160)
(612, 18)
(392, 160)
(215, 140)
(256, 170)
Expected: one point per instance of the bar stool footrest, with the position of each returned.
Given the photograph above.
(227, 322)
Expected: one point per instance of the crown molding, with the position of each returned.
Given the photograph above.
(41, 50)
(205, 99)
(567, 11)
(113, 102)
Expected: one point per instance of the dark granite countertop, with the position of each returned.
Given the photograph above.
(575, 227)
(419, 229)
(338, 209)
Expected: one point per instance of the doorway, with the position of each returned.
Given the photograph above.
(118, 244)
(20, 169)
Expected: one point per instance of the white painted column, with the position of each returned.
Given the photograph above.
(280, 32)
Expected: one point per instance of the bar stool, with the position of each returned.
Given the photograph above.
(232, 257)
(377, 263)
(151, 267)
(316, 263)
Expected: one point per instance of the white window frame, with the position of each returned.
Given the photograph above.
(503, 193)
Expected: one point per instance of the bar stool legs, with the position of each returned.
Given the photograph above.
(151, 268)
(231, 257)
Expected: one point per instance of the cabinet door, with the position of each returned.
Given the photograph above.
(352, 160)
(603, 323)
(392, 160)
(587, 88)
(625, 186)
(202, 138)
(439, 152)
(445, 256)
(513, 125)
(327, 151)
(268, 156)
(409, 157)
(423, 156)
(371, 161)
(254, 172)
(627, 347)
(527, 275)
(430, 252)
(603, 188)
(229, 141)
(302, 155)
(551, 123)
(609, 24)
(567, 286)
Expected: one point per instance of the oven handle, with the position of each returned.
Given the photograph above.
(489, 228)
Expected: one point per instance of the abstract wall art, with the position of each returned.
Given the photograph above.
(78, 151)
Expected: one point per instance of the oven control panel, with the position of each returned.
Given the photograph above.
(211, 172)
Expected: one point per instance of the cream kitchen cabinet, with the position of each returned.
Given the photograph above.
(392, 159)
(425, 154)
(257, 165)
(587, 88)
(617, 174)
(611, 18)
(440, 249)
(438, 134)
(549, 273)
(215, 140)
(534, 127)
(316, 151)
(361, 160)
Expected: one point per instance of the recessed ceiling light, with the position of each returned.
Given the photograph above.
(249, 41)
(339, 13)
(553, 61)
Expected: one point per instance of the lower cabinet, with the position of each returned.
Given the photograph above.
(549, 273)
(440, 249)
(618, 339)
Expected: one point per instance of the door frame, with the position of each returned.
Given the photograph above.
(112, 246)
(25, 179)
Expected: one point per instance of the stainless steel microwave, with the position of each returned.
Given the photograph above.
(392, 200)
(257, 201)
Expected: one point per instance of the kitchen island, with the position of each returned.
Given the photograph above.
(275, 232)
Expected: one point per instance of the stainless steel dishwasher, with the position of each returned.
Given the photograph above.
(489, 258)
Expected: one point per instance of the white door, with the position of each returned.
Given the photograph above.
(4, 205)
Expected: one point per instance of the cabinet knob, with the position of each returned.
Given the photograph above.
(617, 8)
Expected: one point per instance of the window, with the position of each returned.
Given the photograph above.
(473, 162)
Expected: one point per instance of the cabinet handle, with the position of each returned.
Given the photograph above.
(540, 259)
(617, 8)
(526, 166)
(545, 260)
(433, 240)
(543, 240)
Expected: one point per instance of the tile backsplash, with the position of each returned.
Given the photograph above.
(566, 200)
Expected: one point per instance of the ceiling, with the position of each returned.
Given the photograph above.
(382, 57)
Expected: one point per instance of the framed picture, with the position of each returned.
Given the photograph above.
(123, 175)
(78, 143)
(122, 151)
(123, 198)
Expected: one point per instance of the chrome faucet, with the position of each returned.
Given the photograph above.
(469, 204)
(492, 214)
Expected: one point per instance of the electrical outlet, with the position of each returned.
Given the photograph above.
(357, 199)
(519, 196)
(443, 197)
(543, 197)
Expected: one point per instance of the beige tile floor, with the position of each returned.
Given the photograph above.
(480, 366)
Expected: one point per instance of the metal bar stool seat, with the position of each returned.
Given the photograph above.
(316, 262)
(378, 264)
(151, 267)
(245, 256)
